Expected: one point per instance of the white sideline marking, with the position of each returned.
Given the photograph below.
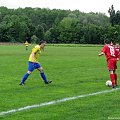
(55, 101)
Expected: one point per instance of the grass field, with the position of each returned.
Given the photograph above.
(73, 70)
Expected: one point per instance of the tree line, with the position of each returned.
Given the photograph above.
(58, 26)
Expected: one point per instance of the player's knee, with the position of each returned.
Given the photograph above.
(111, 71)
(41, 69)
(29, 72)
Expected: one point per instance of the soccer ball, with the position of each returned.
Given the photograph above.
(108, 83)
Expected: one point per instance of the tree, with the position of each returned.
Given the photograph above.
(111, 12)
(34, 39)
(58, 26)
(48, 36)
(39, 32)
(118, 17)
(15, 28)
(67, 29)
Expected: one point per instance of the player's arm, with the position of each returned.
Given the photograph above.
(100, 54)
(118, 59)
(117, 54)
(102, 51)
(33, 57)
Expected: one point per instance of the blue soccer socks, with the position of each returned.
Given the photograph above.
(24, 78)
(44, 77)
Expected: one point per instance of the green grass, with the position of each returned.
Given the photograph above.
(74, 70)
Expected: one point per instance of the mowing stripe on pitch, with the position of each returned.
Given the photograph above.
(55, 101)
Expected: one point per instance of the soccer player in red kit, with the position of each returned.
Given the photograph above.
(112, 55)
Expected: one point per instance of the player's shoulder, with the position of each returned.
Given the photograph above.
(37, 46)
(105, 46)
(109, 46)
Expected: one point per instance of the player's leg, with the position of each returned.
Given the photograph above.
(30, 69)
(42, 73)
(115, 74)
(43, 76)
(25, 77)
(111, 71)
(112, 77)
(26, 48)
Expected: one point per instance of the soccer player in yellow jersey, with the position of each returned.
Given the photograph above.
(34, 64)
(26, 44)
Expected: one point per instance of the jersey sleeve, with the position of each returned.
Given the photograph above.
(117, 54)
(103, 49)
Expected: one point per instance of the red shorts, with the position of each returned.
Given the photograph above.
(112, 64)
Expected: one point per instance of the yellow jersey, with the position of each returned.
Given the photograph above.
(26, 43)
(36, 50)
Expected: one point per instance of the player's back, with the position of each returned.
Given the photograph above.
(109, 51)
(26, 43)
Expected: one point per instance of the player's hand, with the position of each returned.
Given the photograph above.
(118, 59)
(101, 54)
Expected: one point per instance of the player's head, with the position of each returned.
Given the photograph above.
(107, 41)
(42, 44)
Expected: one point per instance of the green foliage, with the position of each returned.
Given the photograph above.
(34, 39)
(114, 16)
(15, 28)
(39, 32)
(67, 29)
(58, 26)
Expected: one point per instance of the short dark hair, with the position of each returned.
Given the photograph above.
(107, 41)
(42, 41)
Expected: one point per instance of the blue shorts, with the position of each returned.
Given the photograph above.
(32, 66)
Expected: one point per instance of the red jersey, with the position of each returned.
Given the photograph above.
(118, 50)
(110, 52)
